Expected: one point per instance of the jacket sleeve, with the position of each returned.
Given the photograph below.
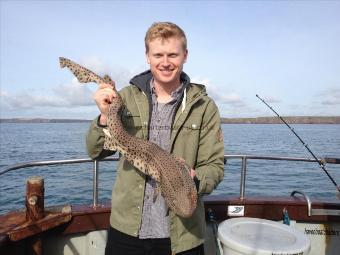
(95, 141)
(210, 157)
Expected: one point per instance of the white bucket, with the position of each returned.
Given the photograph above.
(251, 236)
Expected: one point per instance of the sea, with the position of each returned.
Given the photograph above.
(72, 184)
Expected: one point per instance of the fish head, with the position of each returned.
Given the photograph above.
(181, 194)
(186, 202)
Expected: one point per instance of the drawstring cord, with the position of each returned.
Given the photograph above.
(184, 99)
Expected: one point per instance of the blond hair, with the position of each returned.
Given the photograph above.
(164, 30)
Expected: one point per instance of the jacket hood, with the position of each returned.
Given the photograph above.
(143, 79)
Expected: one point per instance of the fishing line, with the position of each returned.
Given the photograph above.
(321, 163)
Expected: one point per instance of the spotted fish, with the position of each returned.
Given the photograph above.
(171, 174)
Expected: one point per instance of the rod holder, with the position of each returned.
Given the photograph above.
(34, 211)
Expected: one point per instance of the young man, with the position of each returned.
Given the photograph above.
(161, 105)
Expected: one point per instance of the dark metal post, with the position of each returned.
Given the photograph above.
(243, 177)
(95, 183)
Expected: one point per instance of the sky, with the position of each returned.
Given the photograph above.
(287, 52)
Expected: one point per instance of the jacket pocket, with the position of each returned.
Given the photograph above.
(192, 125)
(187, 140)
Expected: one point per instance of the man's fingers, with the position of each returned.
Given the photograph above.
(105, 85)
(108, 94)
(192, 173)
(107, 98)
(104, 96)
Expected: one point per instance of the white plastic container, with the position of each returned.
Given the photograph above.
(252, 236)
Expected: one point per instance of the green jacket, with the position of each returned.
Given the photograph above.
(196, 137)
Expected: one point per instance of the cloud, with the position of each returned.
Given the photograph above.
(220, 95)
(231, 103)
(330, 96)
(121, 76)
(3, 93)
(70, 95)
(271, 99)
(73, 94)
(96, 65)
(65, 95)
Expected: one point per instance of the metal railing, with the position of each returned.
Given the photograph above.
(66, 162)
(244, 159)
(311, 211)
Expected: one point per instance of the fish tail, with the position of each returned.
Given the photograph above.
(63, 61)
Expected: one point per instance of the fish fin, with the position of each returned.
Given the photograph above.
(182, 162)
(151, 173)
(107, 132)
(109, 143)
(63, 62)
(108, 79)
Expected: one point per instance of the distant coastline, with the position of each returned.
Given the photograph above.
(288, 119)
(258, 120)
(42, 120)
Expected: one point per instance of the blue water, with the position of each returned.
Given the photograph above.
(72, 184)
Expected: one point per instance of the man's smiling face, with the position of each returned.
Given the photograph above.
(166, 58)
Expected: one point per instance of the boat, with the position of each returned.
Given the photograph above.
(81, 229)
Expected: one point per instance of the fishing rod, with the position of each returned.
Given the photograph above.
(321, 162)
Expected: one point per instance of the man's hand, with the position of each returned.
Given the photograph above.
(196, 180)
(192, 173)
(103, 98)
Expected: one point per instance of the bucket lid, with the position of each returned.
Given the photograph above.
(250, 235)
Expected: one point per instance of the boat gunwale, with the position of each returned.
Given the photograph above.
(86, 218)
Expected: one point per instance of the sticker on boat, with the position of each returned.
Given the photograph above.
(235, 210)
